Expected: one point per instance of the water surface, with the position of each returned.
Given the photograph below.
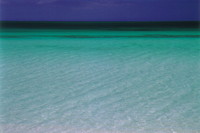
(99, 81)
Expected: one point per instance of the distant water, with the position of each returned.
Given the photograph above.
(99, 81)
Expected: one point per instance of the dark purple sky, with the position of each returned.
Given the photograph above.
(100, 10)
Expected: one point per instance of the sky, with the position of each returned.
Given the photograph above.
(100, 10)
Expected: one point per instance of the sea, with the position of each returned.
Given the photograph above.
(103, 79)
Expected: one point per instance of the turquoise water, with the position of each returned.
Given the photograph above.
(97, 81)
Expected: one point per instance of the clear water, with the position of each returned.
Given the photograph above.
(93, 81)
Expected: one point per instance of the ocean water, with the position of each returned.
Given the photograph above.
(99, 81)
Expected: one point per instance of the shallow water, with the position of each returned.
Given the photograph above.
(86, 81)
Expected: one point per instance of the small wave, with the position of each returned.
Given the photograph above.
(99, 36)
